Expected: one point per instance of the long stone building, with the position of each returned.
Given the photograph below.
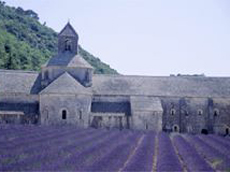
(67, 91)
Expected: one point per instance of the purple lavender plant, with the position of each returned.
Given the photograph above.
(222, 140)
(116, 159)
(218, 160)
(167, 160)
(40, 151)
(142, 160)
(222, 148)
(192, 160)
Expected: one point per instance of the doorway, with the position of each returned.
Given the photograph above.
(97, 122)
(204, 131)
(175, 128)
(227, 131)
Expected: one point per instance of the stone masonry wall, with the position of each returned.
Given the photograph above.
(77, 109)
(194, 115)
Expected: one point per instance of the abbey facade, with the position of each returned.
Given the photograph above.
(67, 91)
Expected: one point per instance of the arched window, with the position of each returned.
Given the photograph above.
(46, 75)
(64, 114)
(68, 45)
(146, 126)
(199, 112)
(80, 114)
(172, 111)
(87, 77)
(216, 112)
(46, 114)
(186, 113)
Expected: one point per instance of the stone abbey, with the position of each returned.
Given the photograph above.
(67, 91)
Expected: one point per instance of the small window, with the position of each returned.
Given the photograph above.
(80, 114)
(186, 113)
(87, 77)
(216, 112)
(146, 126)
(200, 112)
(46, 75)
(64, 114)
(172, 111)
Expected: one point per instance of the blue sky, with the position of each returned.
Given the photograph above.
(146, 37)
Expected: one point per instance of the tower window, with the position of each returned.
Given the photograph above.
(67, 45)
(46, 75)
(64, 114)
(87, 76)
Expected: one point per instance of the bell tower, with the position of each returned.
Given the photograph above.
(67, 60)
(68, 40)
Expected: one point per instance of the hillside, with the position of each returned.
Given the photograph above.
(26, 44)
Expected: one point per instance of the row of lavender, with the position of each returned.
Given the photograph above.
(193, 153)
(70, 149)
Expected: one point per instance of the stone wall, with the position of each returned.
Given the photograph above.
(173, 114)
(220, 115)
(196, 115)
(65, 109)
(146, 113)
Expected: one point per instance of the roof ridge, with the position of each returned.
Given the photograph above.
(152, 76)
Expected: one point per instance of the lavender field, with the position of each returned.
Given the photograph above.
(36, 148)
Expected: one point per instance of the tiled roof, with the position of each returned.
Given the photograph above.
(68, 60)
(161, 86)
(15, 81)
(68, 30)
(29, 83)
(65, 84)
(141, 104)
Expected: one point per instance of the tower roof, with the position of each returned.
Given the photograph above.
(68, 30)
(65, 84)
(68, 60)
